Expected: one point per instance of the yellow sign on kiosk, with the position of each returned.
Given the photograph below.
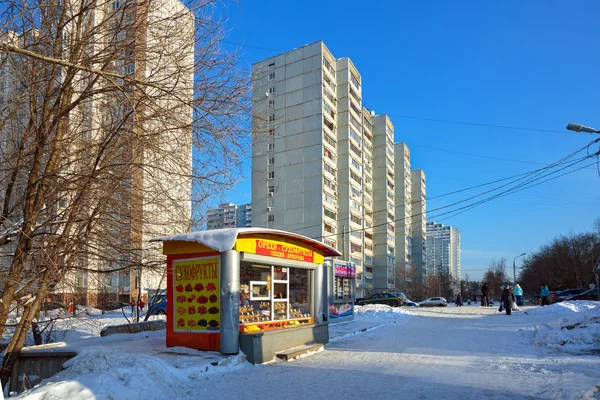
(279, 249)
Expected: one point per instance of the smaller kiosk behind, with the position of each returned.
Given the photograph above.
(341, 289)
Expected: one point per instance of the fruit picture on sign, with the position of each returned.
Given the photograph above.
(196, 293)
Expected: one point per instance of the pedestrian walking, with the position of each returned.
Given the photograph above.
(508, 299)
(459, 301)
(544, 294)
(518, 295)
(484, 294)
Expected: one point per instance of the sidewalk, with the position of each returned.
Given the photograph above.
(341, 330)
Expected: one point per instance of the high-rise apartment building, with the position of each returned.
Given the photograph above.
(419, 221)
(229, 215)
(323, 165)
(443, 249)
(404, 211)
(152, 193)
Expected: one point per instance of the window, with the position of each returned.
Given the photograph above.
(271, 218)
(272, 132)
(271, 146)
(272, 76)
(354, 248)
(329, 213)
(115, 5)
(271, 190)
(355, 219)
(272, 89)
(271, 103)
(271, 174)
(271, 118)
(356, 234)
(129, 69)
(355, 191)
(271, 161)
(355, 178)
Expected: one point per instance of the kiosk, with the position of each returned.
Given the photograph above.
(341, 284)
(255, 289)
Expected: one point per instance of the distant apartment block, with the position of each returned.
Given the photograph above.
(229, 215)
(419, 224)
(443, 249)
(403, 224)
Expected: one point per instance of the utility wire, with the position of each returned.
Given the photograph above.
(532, 173)
(519, 176)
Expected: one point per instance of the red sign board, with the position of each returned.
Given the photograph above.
(288, 251)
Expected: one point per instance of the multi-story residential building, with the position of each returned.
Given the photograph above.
(125, 36)
(229, 215)
(384, 272)
(403, 224)
(419, 221)
(317, 157)
(443, 249)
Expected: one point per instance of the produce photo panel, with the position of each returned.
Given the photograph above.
(196, 295)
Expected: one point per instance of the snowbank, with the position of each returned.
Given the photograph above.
(379, 311)
(576, 330)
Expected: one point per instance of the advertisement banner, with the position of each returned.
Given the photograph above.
(343, 270)
(339, 310)
(196, 295)
(283, 250)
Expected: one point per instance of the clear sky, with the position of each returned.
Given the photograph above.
(532, 64)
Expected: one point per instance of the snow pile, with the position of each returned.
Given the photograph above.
(379, 311)
(577, 328)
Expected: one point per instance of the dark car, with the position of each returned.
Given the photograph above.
(557, 297)
(591, 295)
(382, 298)
(158, 305)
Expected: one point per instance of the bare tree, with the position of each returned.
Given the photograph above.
(117, 120)
(496, 277)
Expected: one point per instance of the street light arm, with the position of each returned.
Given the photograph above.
(515, 268)
(581, 128)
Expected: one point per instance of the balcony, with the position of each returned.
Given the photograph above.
(328, 124)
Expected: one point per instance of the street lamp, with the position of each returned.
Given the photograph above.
(581, 128)
(515, 269)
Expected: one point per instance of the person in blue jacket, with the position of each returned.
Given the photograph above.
(544, 294)
(519, 295)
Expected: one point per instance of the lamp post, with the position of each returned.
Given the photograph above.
(581, 128)
(515, 269)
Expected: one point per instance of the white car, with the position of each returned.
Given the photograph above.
(434, 302)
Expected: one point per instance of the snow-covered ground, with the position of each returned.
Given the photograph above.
(469, 352)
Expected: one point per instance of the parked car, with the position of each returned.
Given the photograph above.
(434, 302)
(402, 295)
(410, 303)
(382, 298)
(158, 305)
(560, 296)
(591, 295)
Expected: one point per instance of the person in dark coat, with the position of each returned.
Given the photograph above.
(484, 294)
(508, 298)
(459, 301)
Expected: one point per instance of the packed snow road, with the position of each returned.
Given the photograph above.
(462, 353)
(435, 353)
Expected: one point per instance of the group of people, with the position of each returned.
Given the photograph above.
(510, 301)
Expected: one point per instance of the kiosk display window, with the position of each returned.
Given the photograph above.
(273, 297)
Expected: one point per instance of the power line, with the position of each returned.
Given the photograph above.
(519, 176)
(446, 121)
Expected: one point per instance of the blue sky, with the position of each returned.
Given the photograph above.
(532, 64)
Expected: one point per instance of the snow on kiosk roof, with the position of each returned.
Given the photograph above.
(225, 239)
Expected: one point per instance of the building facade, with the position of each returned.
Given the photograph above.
(419, 224)
(404, 212)
(322, 164)
(229, 215)
(443, 249)
(150, 189)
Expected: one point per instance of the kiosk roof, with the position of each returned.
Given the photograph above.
(224, 239)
